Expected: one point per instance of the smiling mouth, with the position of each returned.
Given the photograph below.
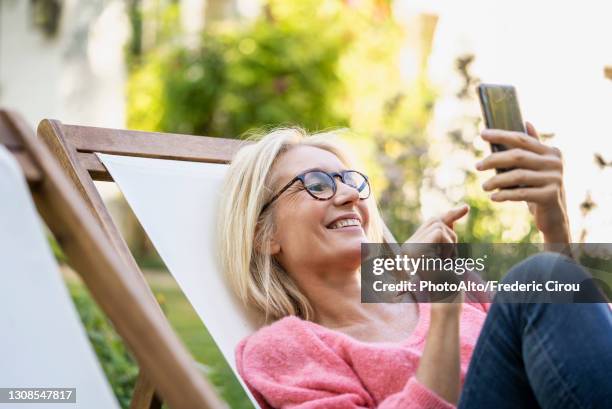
(344, 223)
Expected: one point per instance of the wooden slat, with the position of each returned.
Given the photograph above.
(151, 144)
(85, 141)
(608, 71)
(129, 305)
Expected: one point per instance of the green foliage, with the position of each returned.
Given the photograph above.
(118, 365)
(261, 74)
(56, 249)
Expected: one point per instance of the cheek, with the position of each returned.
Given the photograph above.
(300, 221)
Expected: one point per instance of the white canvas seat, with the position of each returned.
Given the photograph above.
(42, 341)
(176, 203)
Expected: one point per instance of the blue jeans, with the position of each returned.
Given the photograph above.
(539, 355)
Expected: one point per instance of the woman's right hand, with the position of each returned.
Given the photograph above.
(437, 230)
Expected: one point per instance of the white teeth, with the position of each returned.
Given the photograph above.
(345, 222)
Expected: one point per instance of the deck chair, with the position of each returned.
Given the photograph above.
(172, 183)
(43, 343)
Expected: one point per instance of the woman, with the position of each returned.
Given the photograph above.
(293, 217)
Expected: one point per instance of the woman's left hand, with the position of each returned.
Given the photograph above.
(539, 173)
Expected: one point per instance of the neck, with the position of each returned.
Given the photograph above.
(336, 299)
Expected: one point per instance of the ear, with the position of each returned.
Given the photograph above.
(274, 245)
(274, 248)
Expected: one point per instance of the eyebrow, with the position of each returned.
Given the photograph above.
(313, 169)
(321, 170)
(310, 170)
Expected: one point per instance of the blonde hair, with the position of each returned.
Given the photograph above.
(244, 232)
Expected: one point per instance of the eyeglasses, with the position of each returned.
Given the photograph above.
(322, 185)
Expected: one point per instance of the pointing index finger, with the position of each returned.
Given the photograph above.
(455, 214)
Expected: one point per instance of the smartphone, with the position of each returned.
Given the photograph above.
(500, 109)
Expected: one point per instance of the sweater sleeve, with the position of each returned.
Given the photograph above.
(289, 368)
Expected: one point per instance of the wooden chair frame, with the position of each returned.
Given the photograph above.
(75, 148)
(115, 283)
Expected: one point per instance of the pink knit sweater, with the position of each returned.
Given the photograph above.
(294, 363)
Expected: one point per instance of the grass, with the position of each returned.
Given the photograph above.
(192, 332)
(189, 327)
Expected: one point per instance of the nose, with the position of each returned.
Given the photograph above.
(345, 193)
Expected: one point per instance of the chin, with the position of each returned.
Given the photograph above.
(347, 245)
(352, 252)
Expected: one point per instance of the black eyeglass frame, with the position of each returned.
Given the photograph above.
(333, 175)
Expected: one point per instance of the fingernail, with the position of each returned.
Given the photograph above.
(479, 165)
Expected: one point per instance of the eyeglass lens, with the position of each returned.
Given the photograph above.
(322, 185)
